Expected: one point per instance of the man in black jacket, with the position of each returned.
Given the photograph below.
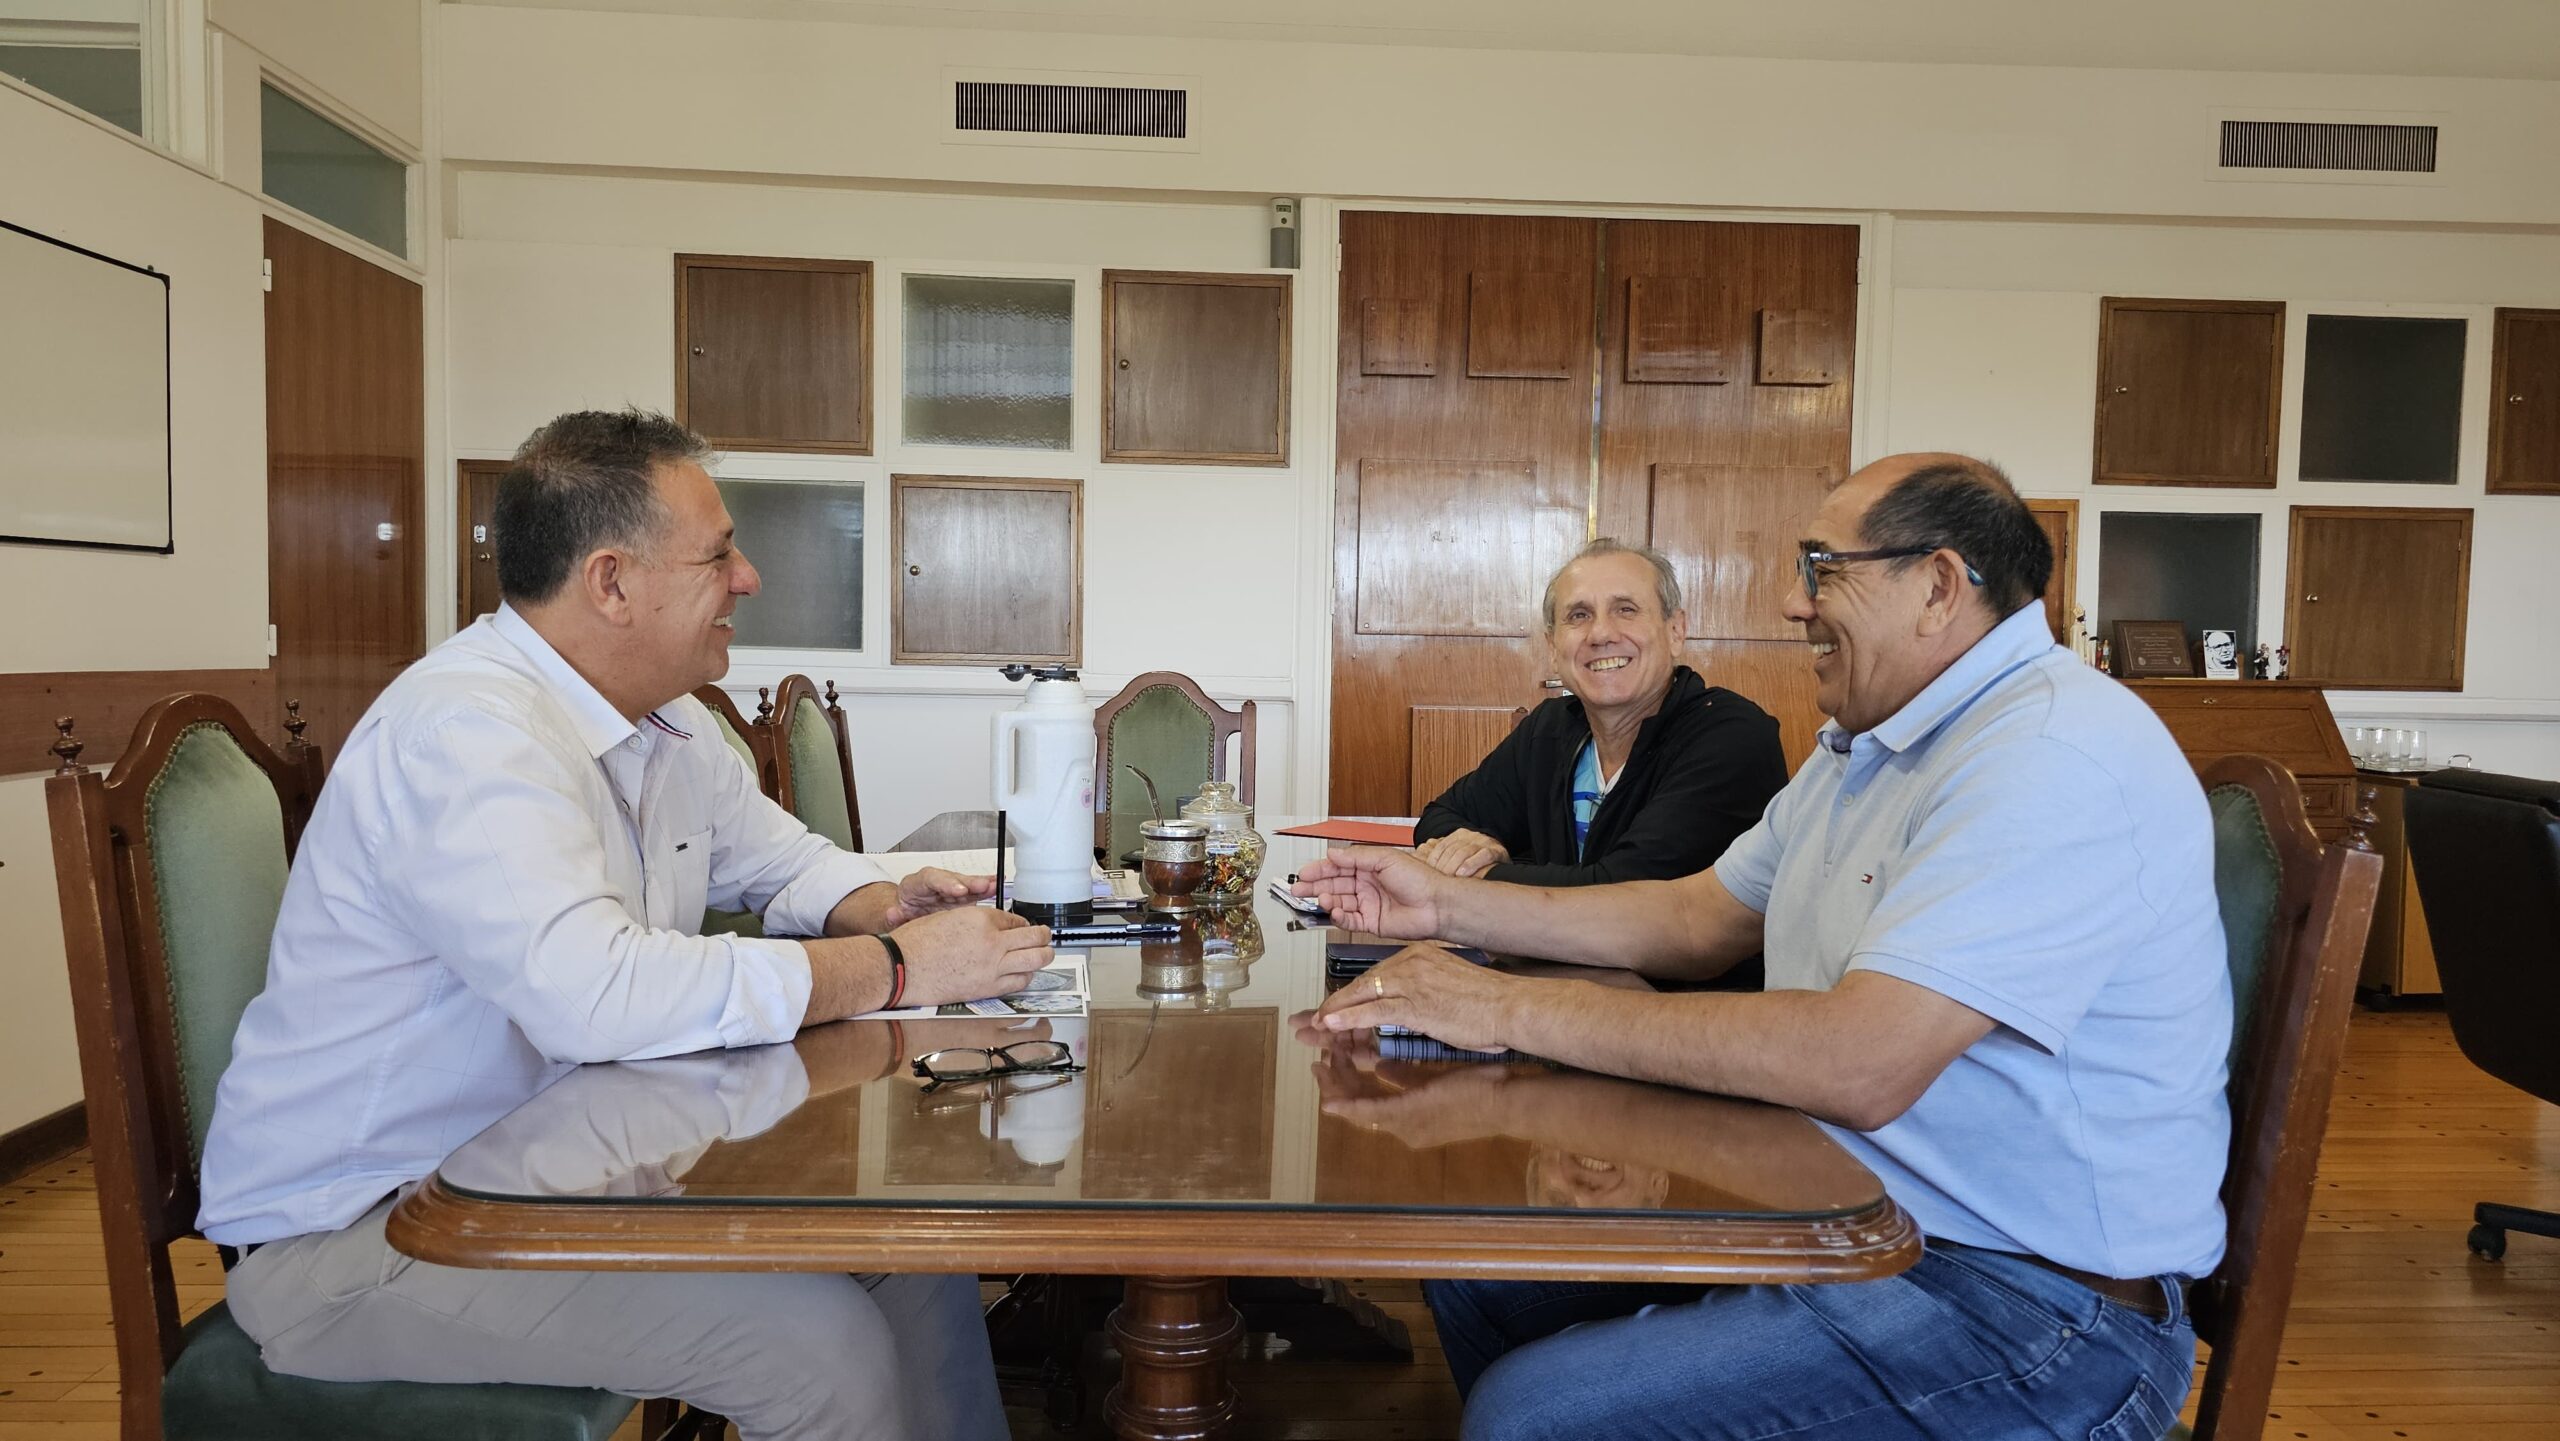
(1644, 772)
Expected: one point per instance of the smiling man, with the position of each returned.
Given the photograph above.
(1642, 772)
(1995, 973)
(505, 876)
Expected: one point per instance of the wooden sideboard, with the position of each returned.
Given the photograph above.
(2286, 721)
(2399, 958)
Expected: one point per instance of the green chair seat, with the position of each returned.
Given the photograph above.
(220, 1390)
(817, 777)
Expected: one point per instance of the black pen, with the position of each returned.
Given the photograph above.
(999, 860)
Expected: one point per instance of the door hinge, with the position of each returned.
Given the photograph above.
(267, 276)
(271, 641)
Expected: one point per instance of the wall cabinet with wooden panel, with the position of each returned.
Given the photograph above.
(2380, 596)
(2188, 391)
(2399, 957)
(1195, 368)
(985, 570)
(2524, 404)
(775, 354)
(2286, 721)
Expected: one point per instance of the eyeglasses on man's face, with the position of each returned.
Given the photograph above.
(962, 1064)
(1812, 561)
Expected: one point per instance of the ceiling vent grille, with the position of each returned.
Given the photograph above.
(2314, 145)
(1122, 110)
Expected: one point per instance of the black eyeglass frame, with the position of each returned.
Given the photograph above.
(1810, 555)
(936, 1077)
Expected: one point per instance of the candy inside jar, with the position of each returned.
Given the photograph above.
(1235, 849)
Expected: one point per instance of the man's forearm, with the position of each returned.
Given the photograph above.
(1651, 927)
(1765, 1046)
(848, 976)
(864, 911)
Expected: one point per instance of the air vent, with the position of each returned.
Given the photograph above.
(2310, 145)
(1121, 110)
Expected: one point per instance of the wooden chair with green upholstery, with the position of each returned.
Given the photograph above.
(754, 745)
(812, 762)
(749, 740)
(171, 870)
(2294, 915)
(1163, 724)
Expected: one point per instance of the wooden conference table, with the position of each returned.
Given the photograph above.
(1206, 1138)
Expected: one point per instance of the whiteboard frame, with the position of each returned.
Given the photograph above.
(168, 443)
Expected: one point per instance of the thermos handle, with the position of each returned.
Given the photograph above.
(1008, 781)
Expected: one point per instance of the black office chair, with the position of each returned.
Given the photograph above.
(2486, 850)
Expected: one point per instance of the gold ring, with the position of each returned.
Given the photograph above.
(1379, 986)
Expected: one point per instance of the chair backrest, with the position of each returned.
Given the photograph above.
(749, 740)
(2294, 914)
(812, 761)
(171, 870)
(1164, 724)
(2486, 853)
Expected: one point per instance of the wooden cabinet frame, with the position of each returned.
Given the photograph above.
(2264, 478)
(899, 652)
(1112, 450)
(865, 422)
(2294, 597)
(2066, 566)
(2503, 383)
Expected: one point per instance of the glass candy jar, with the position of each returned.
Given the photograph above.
(1235, 848)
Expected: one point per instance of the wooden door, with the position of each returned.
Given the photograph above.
(2061, 522)
(985, 571)
(475, 542)
(2379, 596)
(346, 475)
(1510, 386)
(2188, 391)
(1724, 419)
(1462, 472)
(1195, 368)
(2524, 404)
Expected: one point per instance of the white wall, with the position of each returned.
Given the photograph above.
(363, 55)
(1994, 351)
(202, 607)
(561, 296)
(812, 98)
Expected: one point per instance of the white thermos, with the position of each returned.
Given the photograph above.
(1044, 784)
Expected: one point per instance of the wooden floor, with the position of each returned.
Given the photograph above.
(2396, 1332)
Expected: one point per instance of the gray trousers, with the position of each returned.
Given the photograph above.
(791, 1356)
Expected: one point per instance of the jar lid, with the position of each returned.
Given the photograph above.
(1216, 798)
(1155, 830)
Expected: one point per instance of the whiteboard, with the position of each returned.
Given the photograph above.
(84, 397)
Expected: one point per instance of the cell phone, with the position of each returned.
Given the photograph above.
(1303, 905)
(1345, 959)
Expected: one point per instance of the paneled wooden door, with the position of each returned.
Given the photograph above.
(346, 459)
(1510, 386)
(475, 543)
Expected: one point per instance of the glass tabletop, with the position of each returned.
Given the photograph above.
(1200, 1089)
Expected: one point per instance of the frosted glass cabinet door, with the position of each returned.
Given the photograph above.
(990, 362)
(805, 539)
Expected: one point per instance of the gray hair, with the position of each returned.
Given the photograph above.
(583, 482)
(1666, 584)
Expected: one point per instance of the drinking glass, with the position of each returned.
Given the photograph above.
(2360, 744)
(2417, 757)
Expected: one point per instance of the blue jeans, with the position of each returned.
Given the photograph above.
(1965, 1346)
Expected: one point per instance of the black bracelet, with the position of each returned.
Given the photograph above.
(897, 970)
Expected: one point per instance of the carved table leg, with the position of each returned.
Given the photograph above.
(1174, 1335)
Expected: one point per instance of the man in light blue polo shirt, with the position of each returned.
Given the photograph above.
(1995, 973)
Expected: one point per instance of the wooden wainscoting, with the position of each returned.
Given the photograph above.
(106, 703)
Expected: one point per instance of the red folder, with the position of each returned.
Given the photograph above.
(1366, 833)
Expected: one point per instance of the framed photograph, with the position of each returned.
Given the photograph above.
(2220, 652)
(2151, 649)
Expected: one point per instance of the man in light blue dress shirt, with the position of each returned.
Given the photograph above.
(1995, 973)
(504, 877)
